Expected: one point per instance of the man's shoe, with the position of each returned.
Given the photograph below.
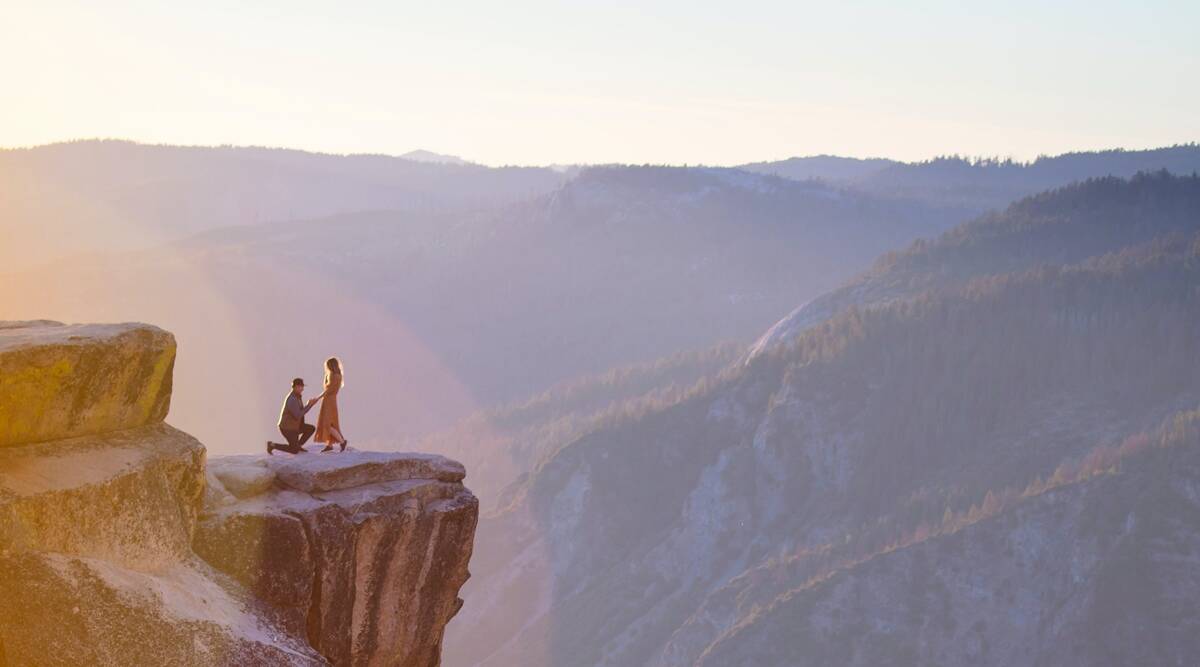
(270, 447)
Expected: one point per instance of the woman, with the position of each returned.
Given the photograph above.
(328, 429)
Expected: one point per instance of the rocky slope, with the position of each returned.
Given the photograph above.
(120, 545)
(1102, 571)
(994, 439)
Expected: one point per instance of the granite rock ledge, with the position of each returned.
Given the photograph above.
(362, 552)
(121, 544)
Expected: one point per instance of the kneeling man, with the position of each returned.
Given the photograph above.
(291, 421)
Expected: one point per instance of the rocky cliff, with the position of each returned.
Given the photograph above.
(120, 543)
(362, 552)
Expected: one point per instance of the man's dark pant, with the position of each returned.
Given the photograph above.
(296, 439)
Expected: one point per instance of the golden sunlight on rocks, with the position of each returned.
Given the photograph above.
(59, 381)
(121, 544)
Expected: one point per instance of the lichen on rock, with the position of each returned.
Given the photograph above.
(61, 381)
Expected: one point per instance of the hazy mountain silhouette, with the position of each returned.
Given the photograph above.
(663, 498)
(844, 496)
(95, 196)
(421, 155)
(830, 168)
(1059, 227)
(440, 313)
(982, 184)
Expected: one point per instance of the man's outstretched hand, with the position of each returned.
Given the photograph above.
(313, 401)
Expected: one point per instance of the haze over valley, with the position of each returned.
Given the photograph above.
(657, 334)
(713, 415)
(460, 288)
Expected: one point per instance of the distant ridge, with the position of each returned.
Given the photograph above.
(89, 196)
(980, 183)
(822, 167)
(421, 155)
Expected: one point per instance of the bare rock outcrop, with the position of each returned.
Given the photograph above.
(65, 610)
(129, 497)
(363, 552)
(61, 381)
(120, 545)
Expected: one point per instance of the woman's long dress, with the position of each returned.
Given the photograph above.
(328, 417)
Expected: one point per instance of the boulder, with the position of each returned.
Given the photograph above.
(62, 381)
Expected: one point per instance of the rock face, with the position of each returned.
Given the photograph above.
(363, 552)
(1106, 584)
(120, 545)
(64, 610)
(129, 497)
(59, 381)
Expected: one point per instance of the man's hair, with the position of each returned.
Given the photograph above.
(296, 381)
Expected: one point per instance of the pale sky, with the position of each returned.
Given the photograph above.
(530, 82)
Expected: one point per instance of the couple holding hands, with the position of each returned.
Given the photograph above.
(291, 417)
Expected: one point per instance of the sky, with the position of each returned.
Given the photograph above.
(531, 82)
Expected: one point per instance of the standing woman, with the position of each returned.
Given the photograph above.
(328, 429)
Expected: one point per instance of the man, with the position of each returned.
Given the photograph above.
(291, 421)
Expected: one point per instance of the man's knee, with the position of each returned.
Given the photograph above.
(292, 437)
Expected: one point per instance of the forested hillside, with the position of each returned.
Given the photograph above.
(506, 442)
(969, 416)
(1062, 226)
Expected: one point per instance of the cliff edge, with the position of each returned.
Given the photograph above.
(121, 545)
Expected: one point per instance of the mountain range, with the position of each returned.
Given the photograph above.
(479, 286)
(985, 455)
(980, 183)
(440, 313)
(819, 411)
(85, 197)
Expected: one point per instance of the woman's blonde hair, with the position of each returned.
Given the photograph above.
(333, 365)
